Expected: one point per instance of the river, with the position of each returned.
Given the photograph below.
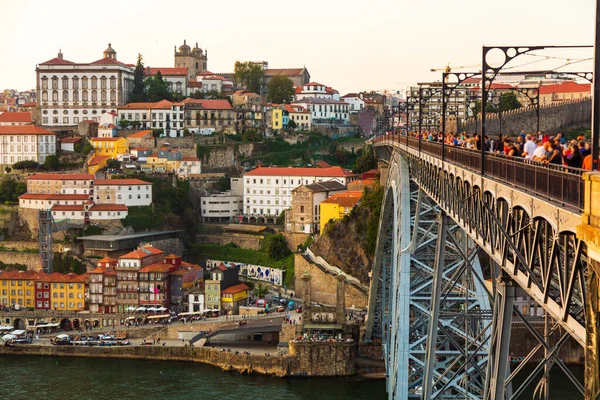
(54, 378)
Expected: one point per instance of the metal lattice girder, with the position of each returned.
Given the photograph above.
(45, 240)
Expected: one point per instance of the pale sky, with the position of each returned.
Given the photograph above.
(349, 45)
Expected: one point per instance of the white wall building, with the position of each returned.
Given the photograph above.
(60, 183)
(189, 166)
(323, 110)
(176, 78)
(40, 201)
(164, 115)
(15, 118)
(268, 191)
(26, 142)
(316, 90)
(221, 207)
(130, 192)
(356, 103)
(196, 301)
(68, 92)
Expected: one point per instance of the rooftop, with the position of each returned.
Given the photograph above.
(24, 130)
(61, 177)
(324, 186)
(244, 228)
(346, 199)
(23, 116)
(331, 172)
(140, 134)
(120, 182)
(236, 288)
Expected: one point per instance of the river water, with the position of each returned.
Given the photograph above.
(54, 378)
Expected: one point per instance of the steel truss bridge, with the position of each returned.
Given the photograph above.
(453, 246)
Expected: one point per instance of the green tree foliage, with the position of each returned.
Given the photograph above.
(51, 163)
(157, 88)
(65, 264)
(372, 200)
(260, 291)
(224, 184)
(157, 132)
(249, 76)
(366, 160)
(251, 135)
(280, 90)
(113, 164)
(123, 123)
(292, 124)
(91, 230)
(276, 247)
(83, 146)
(26, 164)
(211, 94)
(10, 190)
(138, 94)
(7, 170)
(509, 101)
(11, 267)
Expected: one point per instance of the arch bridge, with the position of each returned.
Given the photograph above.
(454, 247)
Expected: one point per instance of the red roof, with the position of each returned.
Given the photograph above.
(345, 199)
(295, 109)
(166, 71)
(109, 207)
(70, 140)
(158, 267)
(24, 130)
(159, 105)
(314, 84)
(222, 267)
(566, 87)
(236, 288)
(110, 61)
(140, 134)
(323, 164)
(29, 104)
(60, 177)
(97, 160)
(215, 78)
(136, 254)
(57, 61)
(209, 103)
(325, 172)
(189, 159)
(56, 196)
(65, 207)
(106, 139)
(119, 182)
(20, 116)
(108, 126)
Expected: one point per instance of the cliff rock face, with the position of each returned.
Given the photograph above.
(343, 245)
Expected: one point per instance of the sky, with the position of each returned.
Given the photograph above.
(348, 45)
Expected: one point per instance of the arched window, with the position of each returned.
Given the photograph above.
(113, 82)
(65, 82)
(54, 82)
(84, 82)
(94, 82)
(65, 95)
(75, 95)
(94, 95)
(103, 82)
(55, 95)
(75, 82)
(45, 94)
(103, 95)
(44, 82)
(84, 95)
(113, 95)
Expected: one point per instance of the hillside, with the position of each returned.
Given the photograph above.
(349, 243)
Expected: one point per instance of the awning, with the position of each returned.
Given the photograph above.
(210, 310)
(18, 332)
(140, 309)
(159, 316)
(6, 328)
(129, 318)
(130, 309)
(152, 309)
(62, 336)
(184, 314)
(161, 309)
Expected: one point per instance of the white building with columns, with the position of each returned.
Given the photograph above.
(70, 92)
(268, 191)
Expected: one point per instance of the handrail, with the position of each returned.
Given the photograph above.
(555, 183)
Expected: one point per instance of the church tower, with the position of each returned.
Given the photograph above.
(194, 60)
(110, 53)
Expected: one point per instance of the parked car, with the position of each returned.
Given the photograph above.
(299, 309)
(63, 343)
(280, 309)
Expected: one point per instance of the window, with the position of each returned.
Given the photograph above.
(113, 97)
(94, 82)
(75, 95)
(54, 82)
(84, 83)
(44, 82)
(55, 95)
(65, 95)
(113, 82)
(84, 95)
(103, 95)
(45, 96)
(75, 82)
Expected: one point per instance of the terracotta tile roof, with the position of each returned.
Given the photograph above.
(165, 71)
(17, 116)
(140, 134)
(159, 105)
(102, 269)
(346, 199)
(153, 250)
(108, 125)
(61, 177)
(324, 172)
(110, 61)
(135, 254)
(106, 139)
(120, 182)
(296, 109)
(95, 160)
(158, 267)
(323, 164)
(190, 159)
(29, 104)
(319, 100)
(70, 207)
(24, 130)
(57, 61)
(140, 149)
(222, 267)
(210, 104)
(109, 207)
(566, 87)
(70, 140)
(179, 272)
(350, 95)
(107, 260)
(57, 196)
(214, 78)
(283, 71)
(314, 84)
(236, 288)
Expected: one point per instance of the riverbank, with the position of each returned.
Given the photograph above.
(322, 359)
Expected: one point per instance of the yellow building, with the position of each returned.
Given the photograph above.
(67, 292)
(276, 117)
(337, 206)
(233, 297)
(17, 288)
(110, 146)
(96, 163)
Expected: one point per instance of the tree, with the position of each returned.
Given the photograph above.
(260, 291)
(224, 184)
(509, 101)
(366, 161)
(7, 170)
(51, 163)
(157, 88)
(251, 135)
(113, 164)
(280, 90)
(123, 123)
(10, 190)
(292, 124)
(157, 132)
(138, 94)
(26, 164)
(276, 247)
(249, 75)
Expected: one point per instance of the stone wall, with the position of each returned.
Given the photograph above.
(553, 119)
(289, 332)
(324, 359)
(245, 149)
(293, 240)
(241, 240)
(31, 260)
(169, 246)
(324, 285)
(219, 157)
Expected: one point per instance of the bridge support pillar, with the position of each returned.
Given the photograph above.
(499, 350)
(434, 313)
(589, 231)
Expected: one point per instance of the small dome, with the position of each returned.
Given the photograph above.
(109, 49)
(184, 47)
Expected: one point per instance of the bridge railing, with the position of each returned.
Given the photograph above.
(556, 183)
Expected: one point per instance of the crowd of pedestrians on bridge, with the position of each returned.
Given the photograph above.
(541, 148)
